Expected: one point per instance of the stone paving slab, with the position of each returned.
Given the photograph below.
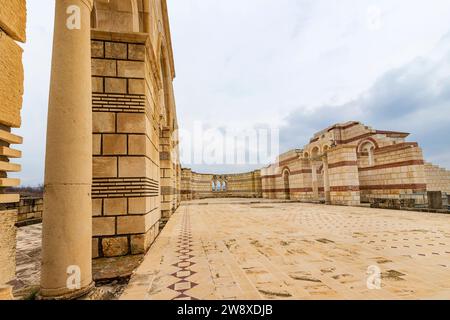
(240, 249)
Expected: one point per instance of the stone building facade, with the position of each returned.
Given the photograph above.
(201, 186)
(347, 164)
(135, 163)
(12, 30)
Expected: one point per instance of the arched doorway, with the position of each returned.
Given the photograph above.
(368, 147)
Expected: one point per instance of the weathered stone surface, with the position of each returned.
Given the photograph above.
(115, 247)
(11, 81)
(115, 206)
(103, 122)
(104, 167)
(114, 144)
(136, 52)
(115, 85)
(103, 226)
(13, 16)
(115, 50)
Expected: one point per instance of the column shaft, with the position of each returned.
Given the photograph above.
(326, 181)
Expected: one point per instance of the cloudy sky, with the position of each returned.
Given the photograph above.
(299, 65)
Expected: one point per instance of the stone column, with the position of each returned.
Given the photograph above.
(315, 181)
(67, 228)
(147, 18)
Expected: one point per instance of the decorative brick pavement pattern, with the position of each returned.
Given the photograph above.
(185, 262)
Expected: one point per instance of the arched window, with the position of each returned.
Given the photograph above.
(368, 147)
(315, 152)
(224, 186)
(213, 186)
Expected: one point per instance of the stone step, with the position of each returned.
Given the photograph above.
(9, 167)
(10, 153)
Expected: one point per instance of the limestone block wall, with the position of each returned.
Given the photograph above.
(199, 186)
(28, 208)
(12, 29)
(437, 178)
(126, 197)
(186, 185)
(398, 172)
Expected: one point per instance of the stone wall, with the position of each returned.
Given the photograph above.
(136, 173)
(398, 172)
(344, 185)
(125, 192)
(12, 29)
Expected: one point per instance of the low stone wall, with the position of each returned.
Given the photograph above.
(29, 210)
(200, 186)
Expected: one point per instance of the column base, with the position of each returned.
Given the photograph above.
(68, 296)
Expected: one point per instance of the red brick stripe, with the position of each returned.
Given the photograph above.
(416, 186)
(342, 164)
(345, 189)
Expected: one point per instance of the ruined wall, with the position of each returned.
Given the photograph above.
(12, 29)
(134, 168)
(200, 186)
(378, 165)
(299, 182)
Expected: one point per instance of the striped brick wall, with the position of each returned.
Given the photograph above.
(343, 175)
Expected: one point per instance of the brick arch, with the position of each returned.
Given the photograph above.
(364, 141)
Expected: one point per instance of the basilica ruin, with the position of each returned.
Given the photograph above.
(113, 177)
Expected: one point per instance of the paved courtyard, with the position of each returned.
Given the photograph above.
(236, 249)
